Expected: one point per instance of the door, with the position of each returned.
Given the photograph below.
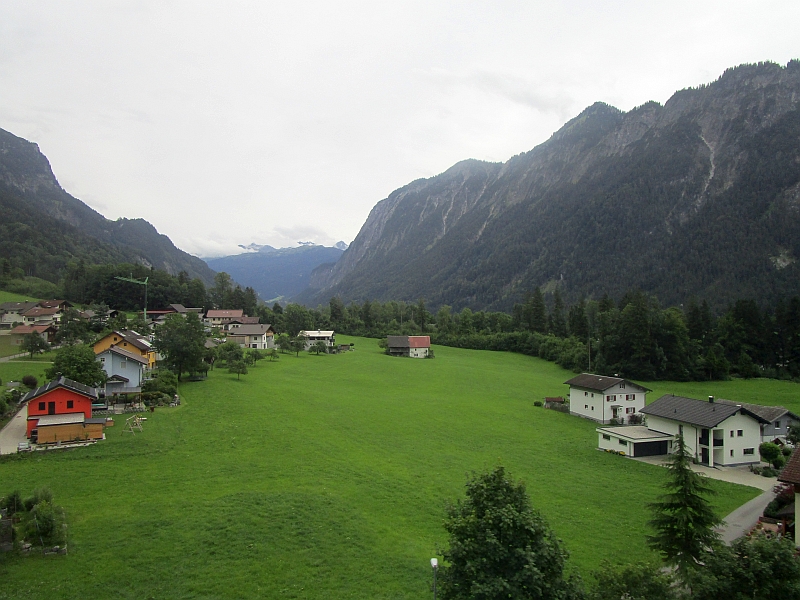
(51, 408)
(704, 456)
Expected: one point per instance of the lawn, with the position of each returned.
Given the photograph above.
(326, 477)
(12, 297)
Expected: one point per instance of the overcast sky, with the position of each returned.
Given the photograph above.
(226, 123)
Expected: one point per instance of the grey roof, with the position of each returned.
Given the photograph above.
(122, 352)
(253, 329)
(600, 383)
(635, 432)
(770, 413)
(19, 306)
(398, 341)
(695, 412)
(64, 419)
(62, 381)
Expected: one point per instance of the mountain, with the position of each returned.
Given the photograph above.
(277, 274)
(43, 227)
(700, 196)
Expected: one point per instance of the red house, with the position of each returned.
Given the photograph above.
(62, 404)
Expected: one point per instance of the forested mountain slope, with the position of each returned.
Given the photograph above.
(698, 197)
(42, 227)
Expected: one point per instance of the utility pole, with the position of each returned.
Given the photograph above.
(139, 282)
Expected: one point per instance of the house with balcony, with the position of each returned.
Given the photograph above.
(128, 340)
(259, 336)
(221, 317)
(312, 337)
(780, 420)
(125, 370)
(715, 433)
(602, 398)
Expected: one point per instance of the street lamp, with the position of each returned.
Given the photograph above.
(435, 567)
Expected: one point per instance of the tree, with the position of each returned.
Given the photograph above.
(33, 343)
(682, 518)
(759, 567)
(181, 341)
(640, 581)
(273, 354)
(298, 344)
(230, 352)
(78, 363)
(73, 328)
(771, 453)
(284, 342)
(296, 318)
(237, 366)
(500, 547)
(319, 347)
(221, 292)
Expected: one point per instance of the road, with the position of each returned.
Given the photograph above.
(14, 432)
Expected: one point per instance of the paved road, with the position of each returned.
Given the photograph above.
(14, 432)
(745, 517)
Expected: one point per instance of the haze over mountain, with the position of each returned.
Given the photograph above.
(277, 274)
(700, 196)
(42, 227)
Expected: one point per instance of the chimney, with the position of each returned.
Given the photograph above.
(711, 399)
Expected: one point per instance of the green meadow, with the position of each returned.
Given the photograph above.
(328, 477)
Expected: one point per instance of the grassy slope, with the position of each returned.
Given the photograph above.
(12, 297)
(7, 347)
(326, 477)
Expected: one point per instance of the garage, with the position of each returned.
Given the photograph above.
(650, 448)
(634, 440)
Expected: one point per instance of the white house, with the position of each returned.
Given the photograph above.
(312, 337)
(715, 433)
(219, 317)
(602, 398)
(779, 419)
(259, 336)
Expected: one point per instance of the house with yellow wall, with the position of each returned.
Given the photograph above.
(128, 340)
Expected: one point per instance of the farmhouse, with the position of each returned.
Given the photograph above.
(414, 346)
(312, 337)
(715, 433)
(46, 332)
(602, 398)
(791, 474)
(218, 318)
(259, 336)
(62, 411)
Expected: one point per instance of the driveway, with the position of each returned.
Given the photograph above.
(14, 432)
(746, 516)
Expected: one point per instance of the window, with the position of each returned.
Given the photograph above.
(586, 406)
(622, 385)
(592, 394)
(777, 424)
(41, 405)
(592, 407)
(70, 404)
(623, 443)
(748, 451)
(739, 433)
(629, 411)
(585, 393)
(102, 360)
(731, 453)
(606, 437)
(731, 432)
(123, 364)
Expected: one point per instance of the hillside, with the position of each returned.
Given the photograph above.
(275, 273)
(43, 227)
(700, 196)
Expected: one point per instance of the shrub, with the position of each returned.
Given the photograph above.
(30, 381)
(786, 451)
(537, 402)
(12, 503)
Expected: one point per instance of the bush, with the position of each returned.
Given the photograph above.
(537, 402)
(12, 503)
(787, 452)
(30, 381)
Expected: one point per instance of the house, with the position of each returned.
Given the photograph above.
(128, 340)
(234, 323)
(779, 420)
(46, 332)
(259, 336)
(62, 305)
(414, 346)
(312, 337)
(219, 317)
(61, 411)
(791, 474)
(11, 313)
(125, 370)
(715, 433)
(602, 398)
(42, 316)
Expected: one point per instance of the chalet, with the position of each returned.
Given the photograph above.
(125, 370)
(11, 313)
(414, 346)
(235, 323)
(602, 398)
(779, 419)
(61, 411)
(220, 317)
(312, 337)
(42, 316)
(258, 336)
(791, 474)
(128, 340)
(715, 433)
(46, 332)
(62, 305)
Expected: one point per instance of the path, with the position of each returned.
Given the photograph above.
(14, 432)
(741, 520)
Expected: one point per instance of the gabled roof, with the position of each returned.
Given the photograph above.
(246, 320)
(770, 413)
(179, 308)
(124, 353)
(78, 388)
(16, 306)
(54, 303)
(114, 378)
(26, 329)
(419, 341)
(600, 383)
(38, 311)
(791, 472)
(224, 314)
(316, 333)
(256, 329)
(695, 412)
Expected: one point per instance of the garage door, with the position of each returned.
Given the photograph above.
(650, 448)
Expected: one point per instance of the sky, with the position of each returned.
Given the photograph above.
(227, 123)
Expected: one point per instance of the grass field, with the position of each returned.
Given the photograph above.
(327, 477)
(12, 297)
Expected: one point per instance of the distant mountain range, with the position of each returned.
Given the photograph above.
(278, 274)
(42, 227)
(700, 196)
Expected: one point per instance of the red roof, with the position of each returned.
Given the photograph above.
(38, 311)
(419, 341)
(791, 472)
(26, 329)
(222, 314)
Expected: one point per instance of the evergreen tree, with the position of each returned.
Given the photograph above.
(683, 519)
(558, 324)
